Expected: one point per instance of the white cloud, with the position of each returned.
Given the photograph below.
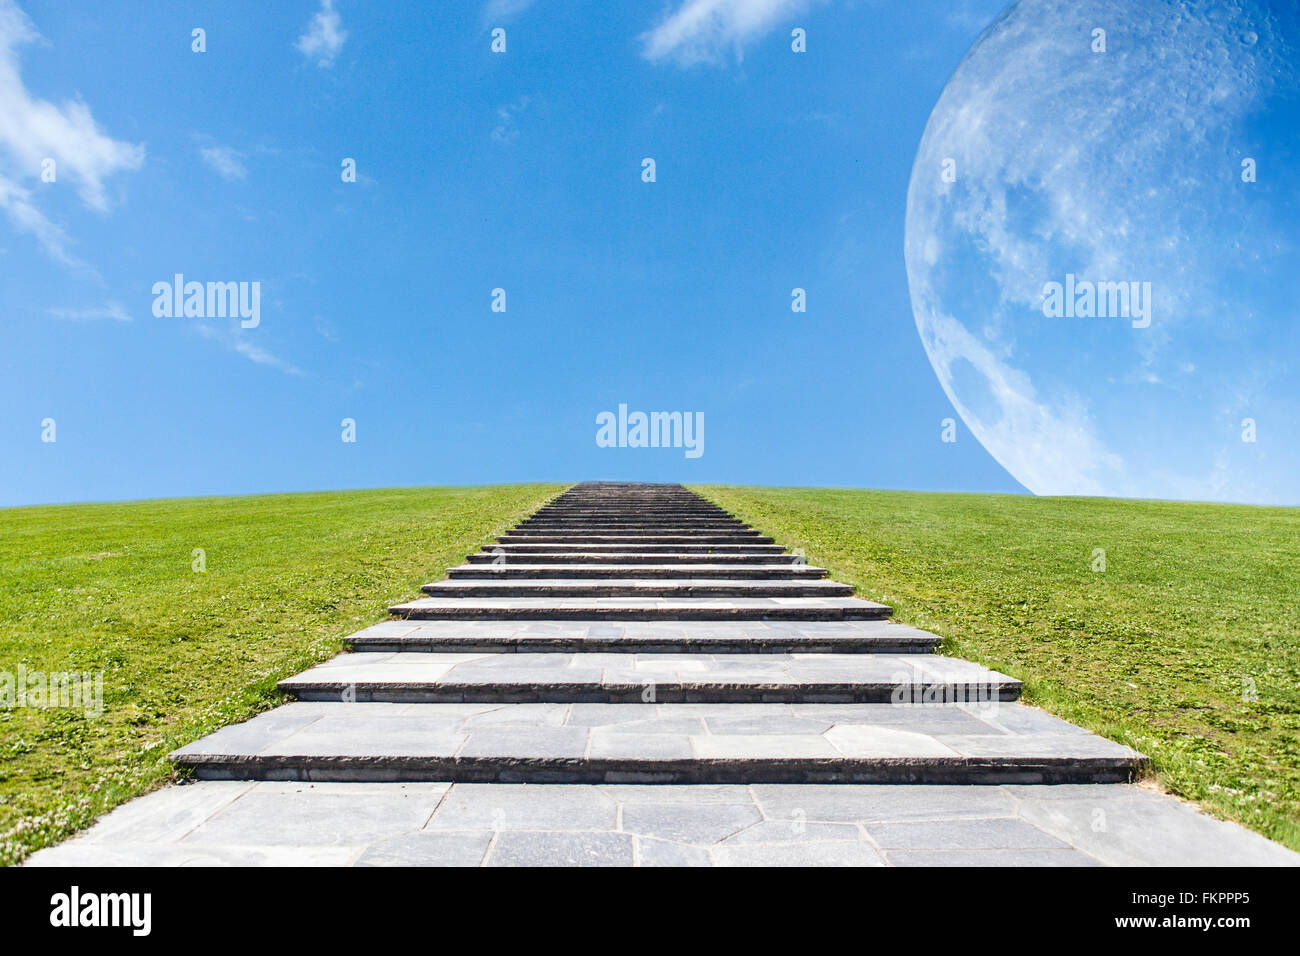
(17, 204)
(324, 37)
(704, 31)
(226, 162)
(233, 338)
(261, 356)
(112, 310)
(502, 11)
(506, 131)
(33, 130)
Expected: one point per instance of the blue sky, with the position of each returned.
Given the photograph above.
(476, 171)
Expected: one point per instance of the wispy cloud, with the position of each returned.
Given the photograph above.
(502, 11)
(506, 131)
(235, 339)
(33, 130)
(705, 31)
(324, 36)
(261, 356)
(22, 212)
(226, 162)
(112, 310)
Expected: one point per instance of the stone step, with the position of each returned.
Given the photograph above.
(638, 520)
(698, 587)
(635, 517)
(663, 678)
(632, 531)
(634, 539)
(633, 558)
(674, 511)
(641, 609)
(987, 743)
(632, 527)
(697, 514)
(624, 507)
(647, 637)
(731, 572)
(727, 520)
(632, 547)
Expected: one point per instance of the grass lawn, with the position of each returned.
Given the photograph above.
(1187, 645)
(112, 587)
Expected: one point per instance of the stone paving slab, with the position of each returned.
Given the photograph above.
(216, 823)
(615, 677)
(690, 549)
(568, 559)
(639, 608)
(686, 525)
(990, 742)
(713, 637)
(637, 541)
(636, 588)
(610, 570)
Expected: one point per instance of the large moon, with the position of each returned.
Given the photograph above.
(1083, 142)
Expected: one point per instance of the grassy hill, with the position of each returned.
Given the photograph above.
(1187, 645)
(113, 587)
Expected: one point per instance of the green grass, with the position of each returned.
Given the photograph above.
(1198, 605)
(111, 587)
(1186, 647)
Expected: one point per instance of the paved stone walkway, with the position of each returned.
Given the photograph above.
(294, 823)
(633, 676)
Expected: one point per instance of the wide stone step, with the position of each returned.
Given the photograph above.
(699, 587)
(680, 511)
(632, 547)
(670, 637)
(724, 520)
(663, 678)
(635, 539)
(631, 506)
(632, 527)
(632, 531)
(632, 559)
(639, 522)
(987, 743)
(628, 529)
(633, 519)
(642, 609)
(653, 518)
(731, 572)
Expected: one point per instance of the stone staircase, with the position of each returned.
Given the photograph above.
(636, 633)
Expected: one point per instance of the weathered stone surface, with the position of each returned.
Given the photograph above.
(506, 585)
(707, 637)
(641, 609)
(328, 824)
(739, 743)
(703, 678)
